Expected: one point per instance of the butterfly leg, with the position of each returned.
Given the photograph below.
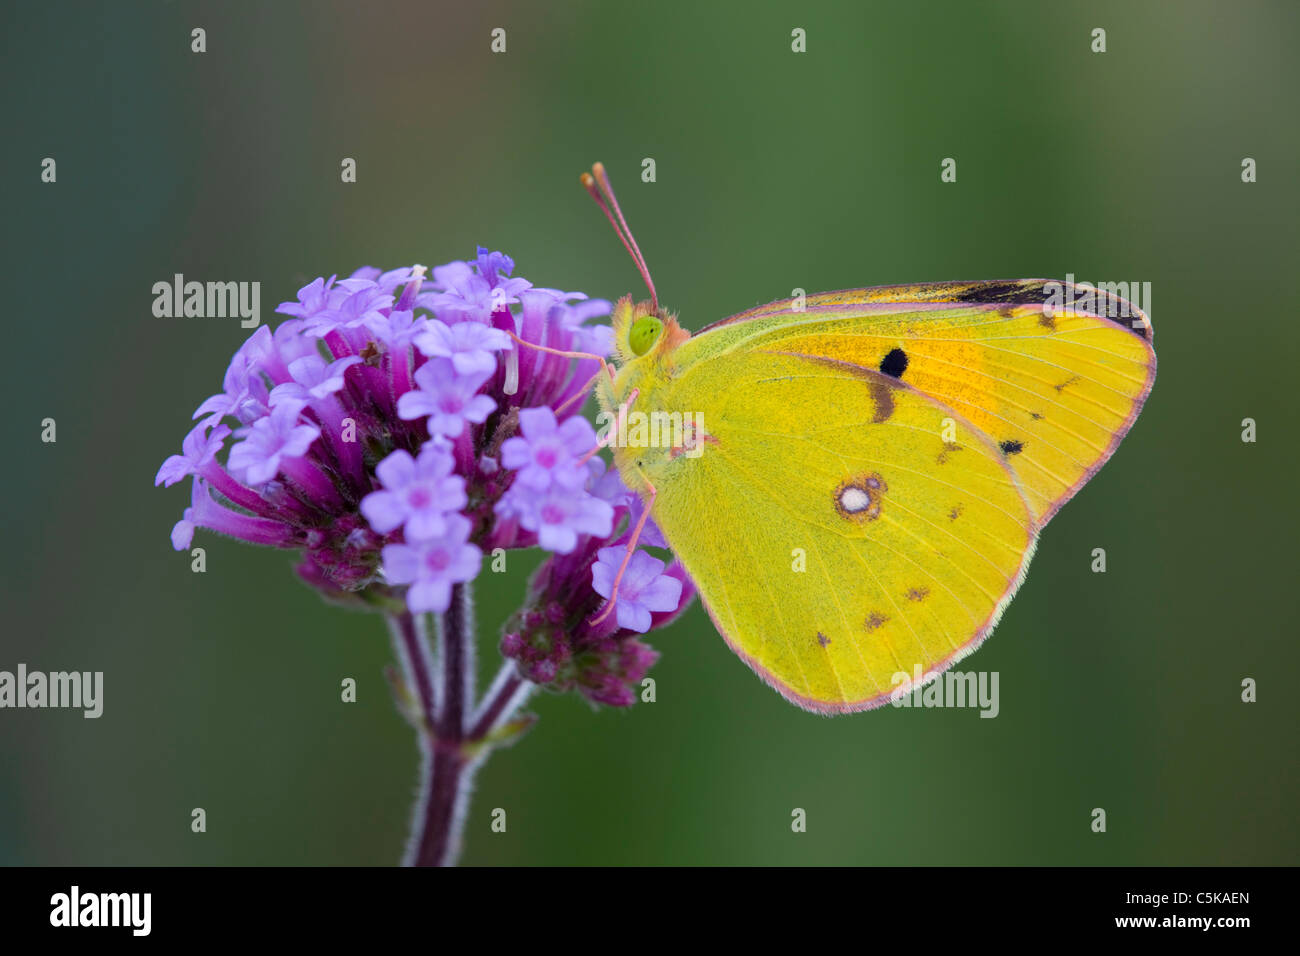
(580, 395)
(614, 432)
(627, 555)
(604, 365)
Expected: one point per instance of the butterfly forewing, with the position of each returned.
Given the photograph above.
(1054, 388)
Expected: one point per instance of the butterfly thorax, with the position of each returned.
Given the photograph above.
(640, 406)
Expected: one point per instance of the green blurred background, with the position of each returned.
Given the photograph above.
(774, 170)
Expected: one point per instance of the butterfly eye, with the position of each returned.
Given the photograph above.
(643, 334)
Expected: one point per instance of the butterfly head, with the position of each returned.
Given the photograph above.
(642, 328)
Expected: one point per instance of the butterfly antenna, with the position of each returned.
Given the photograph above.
(599, 187)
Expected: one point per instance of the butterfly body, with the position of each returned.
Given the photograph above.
(859, 479)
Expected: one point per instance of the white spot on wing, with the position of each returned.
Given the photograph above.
(854, 500)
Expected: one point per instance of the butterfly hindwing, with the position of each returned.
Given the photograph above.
(842, 526)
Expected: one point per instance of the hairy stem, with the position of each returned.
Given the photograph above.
(456, 642)
(411, 644)
(504, 697)
(448, 736)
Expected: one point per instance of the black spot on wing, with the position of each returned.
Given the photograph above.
(1011, 447)
(895, 363)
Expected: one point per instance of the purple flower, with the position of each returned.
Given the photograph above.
(557, 516)
(183, 530)
(596, 339)
(447, 398)
(269, 440)
(469, 345)
(399, 330)
(548, 453)
(197, 450)
(313, 298)
(548, 496)
(385, 281)
(353, 303)
(262, 353)
(432, 566)
(472, 293)
(602, 660)
(359, 366)
(244, 395)
(290, 344)
(607, 484)
(313, 379)
(495, 267)
(644, 587)
(204, 512)
(418, 493)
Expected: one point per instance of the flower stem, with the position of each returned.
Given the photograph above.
(455, 633)
(449, 738)
(508, 691)
(411, 645)
(440, 810)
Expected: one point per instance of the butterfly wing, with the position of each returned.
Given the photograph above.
(843, 527)
(1055, 385)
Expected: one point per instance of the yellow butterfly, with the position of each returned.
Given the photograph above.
(856, 482)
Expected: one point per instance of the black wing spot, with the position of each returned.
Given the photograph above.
(1011, 447)
(822, 639)
(895, 363)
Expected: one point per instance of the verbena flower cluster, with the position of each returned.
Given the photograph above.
(394, 432)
